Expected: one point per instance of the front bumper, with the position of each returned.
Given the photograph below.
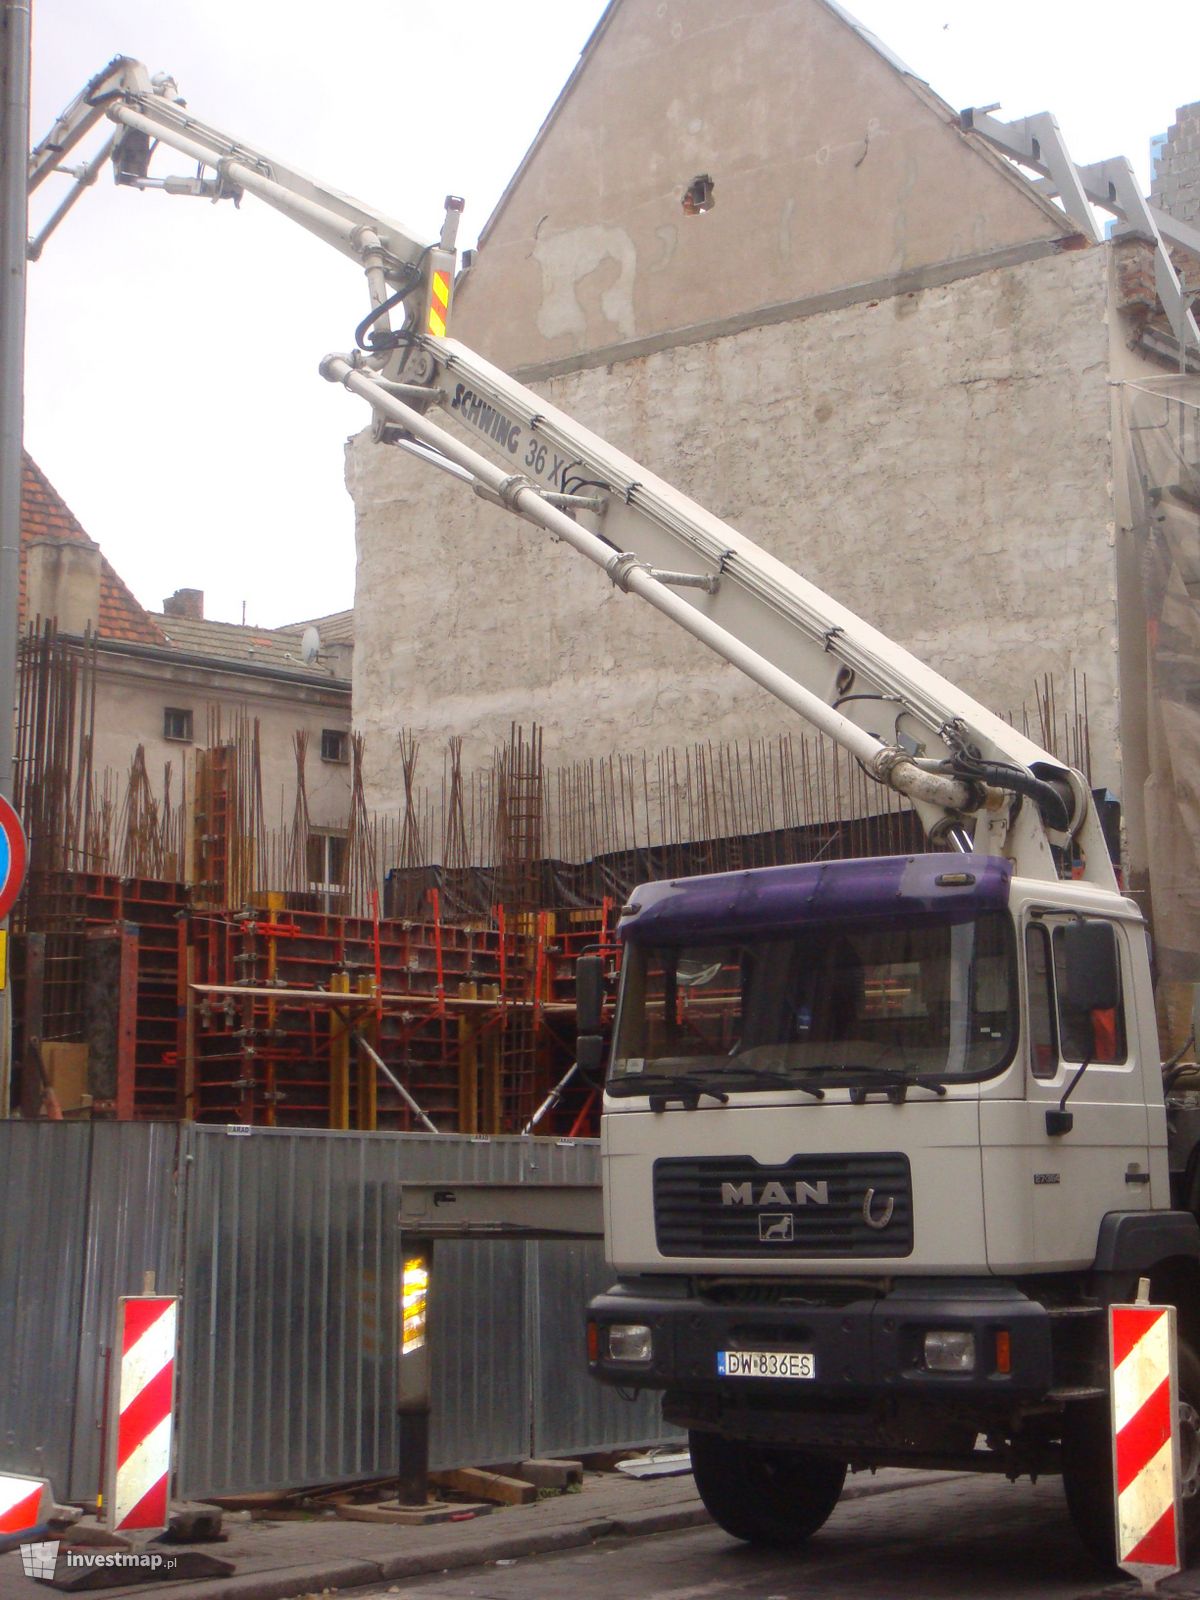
(861, 1348)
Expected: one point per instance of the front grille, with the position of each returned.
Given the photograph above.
(813, 1206)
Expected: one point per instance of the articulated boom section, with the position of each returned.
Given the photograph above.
(969, 774)
(975, 782)
(149, 112)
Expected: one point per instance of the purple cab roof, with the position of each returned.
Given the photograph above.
(733, 904)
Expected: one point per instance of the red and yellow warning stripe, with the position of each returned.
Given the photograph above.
(439, 305)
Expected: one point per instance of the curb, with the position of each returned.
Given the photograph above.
(282, 1583)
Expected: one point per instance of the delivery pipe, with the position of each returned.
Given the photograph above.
(884, 762)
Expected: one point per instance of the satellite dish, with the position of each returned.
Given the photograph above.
(310, 645)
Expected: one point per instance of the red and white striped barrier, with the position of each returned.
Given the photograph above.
(143, 1389)
(24, 1502)
(1145, 1421)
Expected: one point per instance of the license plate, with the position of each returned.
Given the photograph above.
(766, 1364)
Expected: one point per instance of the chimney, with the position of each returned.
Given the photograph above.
(1175, 185)
(64, 583)
(185, 603)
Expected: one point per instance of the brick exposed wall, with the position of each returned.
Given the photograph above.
(1176, 185)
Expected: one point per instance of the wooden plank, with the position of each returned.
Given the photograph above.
(486, 1486)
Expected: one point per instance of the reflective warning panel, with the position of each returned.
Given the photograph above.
(143, 1404)
(439, 304)
(1145, 1425)
(24, 1503)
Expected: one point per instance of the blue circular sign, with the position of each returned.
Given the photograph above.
(13, 856)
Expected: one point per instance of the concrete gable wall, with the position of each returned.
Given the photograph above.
(938, 461)
(831, 168)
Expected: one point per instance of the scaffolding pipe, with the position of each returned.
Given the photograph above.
(396, 1084)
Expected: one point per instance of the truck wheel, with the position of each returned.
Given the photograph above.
(766, 1496)
(1087, 1467)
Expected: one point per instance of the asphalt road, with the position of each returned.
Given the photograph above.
(980, 1538)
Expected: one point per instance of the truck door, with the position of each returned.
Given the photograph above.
(1102, 1163)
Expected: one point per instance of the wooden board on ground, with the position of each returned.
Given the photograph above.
(486, 1486)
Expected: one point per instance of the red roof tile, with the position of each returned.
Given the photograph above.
(45, 515)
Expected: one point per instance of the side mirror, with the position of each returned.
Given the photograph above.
(1093, 972)
(589, 1052)
(589, 993)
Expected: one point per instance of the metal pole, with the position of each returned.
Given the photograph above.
(14, 151)
(396, 1084)
(413, 1411)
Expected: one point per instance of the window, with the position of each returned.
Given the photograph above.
(1060, 1030)
(1043, 1048)
(1092, 1035)
(335, 745)
(177, 724)
(326, 861)
(914, 998)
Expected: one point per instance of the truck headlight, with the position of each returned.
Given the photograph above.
(630, 1341)
(950, 1350)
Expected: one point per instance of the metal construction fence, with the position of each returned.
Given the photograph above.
(286, 1250)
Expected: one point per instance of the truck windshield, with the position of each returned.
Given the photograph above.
(823, 1005)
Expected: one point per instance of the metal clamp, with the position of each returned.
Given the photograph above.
(506, 491)
(622, 566)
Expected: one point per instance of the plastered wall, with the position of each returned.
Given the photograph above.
(938, 460)
(830, 165)
(131, 696)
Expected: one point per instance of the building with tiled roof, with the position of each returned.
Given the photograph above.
(282, 648)
(174, 682)
(50, 532)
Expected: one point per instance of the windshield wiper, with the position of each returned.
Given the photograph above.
(893, 1083)
(688, 1087)
(766, 1078)
(662, 1087)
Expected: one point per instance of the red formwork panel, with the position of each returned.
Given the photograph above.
(486, 1034)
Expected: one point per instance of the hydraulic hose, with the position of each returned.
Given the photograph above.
(1047, 797)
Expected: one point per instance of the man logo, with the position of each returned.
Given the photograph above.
(776, 1227)
(885, 1213)
(776, 1194)
(40, 1560)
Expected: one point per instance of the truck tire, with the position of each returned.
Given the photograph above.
(1087, 1468)
(767, 1496)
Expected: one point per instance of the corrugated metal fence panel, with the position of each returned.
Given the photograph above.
(43, 1210)
(84, 1210)
(289, 1261)
(572, 1414)
(133, 1222)
(288, 1372)
(483, 1360)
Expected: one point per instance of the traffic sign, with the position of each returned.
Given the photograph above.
(13, 856)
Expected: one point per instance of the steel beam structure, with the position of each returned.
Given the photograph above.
(1037, 143)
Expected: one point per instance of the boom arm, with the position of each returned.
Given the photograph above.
(975, 781)
(962, 767)
(148, 112)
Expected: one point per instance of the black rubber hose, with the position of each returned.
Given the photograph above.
(1050, 803)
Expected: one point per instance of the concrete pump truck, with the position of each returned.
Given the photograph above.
(882, 1138)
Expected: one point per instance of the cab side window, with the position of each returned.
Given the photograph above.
(1098, 1034)
(1043, 1045)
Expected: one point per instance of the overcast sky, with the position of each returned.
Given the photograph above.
(172, 393)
